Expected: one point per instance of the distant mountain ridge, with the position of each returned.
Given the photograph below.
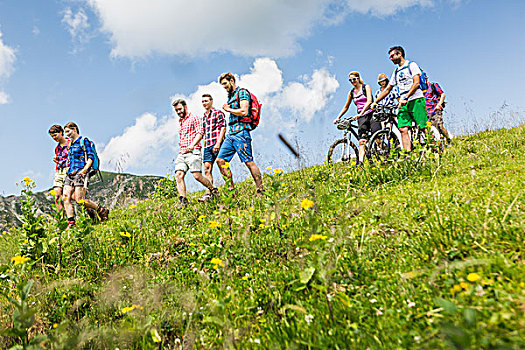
(116, 190)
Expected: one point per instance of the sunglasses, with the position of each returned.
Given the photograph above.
(353, 79)
(393, 54)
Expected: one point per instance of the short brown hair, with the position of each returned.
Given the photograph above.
(72, 125)
(228, 76)
(179, 101)
(55, 129)
(208, 95)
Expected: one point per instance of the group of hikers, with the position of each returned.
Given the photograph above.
(417, 100)
(75, 156)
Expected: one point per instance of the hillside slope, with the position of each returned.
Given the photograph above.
(425, 253)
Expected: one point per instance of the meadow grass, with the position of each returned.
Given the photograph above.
(424, 253)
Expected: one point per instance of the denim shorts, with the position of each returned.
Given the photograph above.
(240, 143)
(209, 156)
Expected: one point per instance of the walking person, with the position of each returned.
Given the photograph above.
(214, 123)
(190, 157)
(238, 139)
(81, 156)
(435, 99)
(412, 106)
(61, 163)
(361, 94)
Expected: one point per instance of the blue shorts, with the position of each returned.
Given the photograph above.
(209, 156)
(240, 143)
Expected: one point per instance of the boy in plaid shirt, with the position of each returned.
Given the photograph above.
(214, 124)
(62, 163)
(190, 157)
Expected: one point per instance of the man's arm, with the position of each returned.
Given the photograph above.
(219, 140)
(382, 95)
(240, 112)
(195, 142)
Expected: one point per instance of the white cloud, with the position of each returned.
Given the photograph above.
(7, 66)
(143, 144)
(77, 25)
(272, 28)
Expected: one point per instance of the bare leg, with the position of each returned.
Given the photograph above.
(226, 172)
(181, 185)
(208, 167)
(203, 180)
(68, 206)
(443, 131)
(256, 174)
(58, 198)
(362, 145)
(405, 139)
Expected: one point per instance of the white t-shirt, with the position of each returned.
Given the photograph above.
(403, 79)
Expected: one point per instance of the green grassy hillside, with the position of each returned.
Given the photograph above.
(426, 253)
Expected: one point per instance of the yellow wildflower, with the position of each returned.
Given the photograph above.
(251, 208)
(316, 237)
(464, 285)
(278, 171)
(131, 308)
(429, 124)
(217, 261)
(457, 288)
(55, 325)
(81, 201)
(133, 206)
(19, 259)
(226, 165)
(52, 193)
(262, 226)
(306, 203)
(473, 277)
(269, 168)
(244, 278)
(125, 234)
(26, 179)
(214, 224)
(201, 217)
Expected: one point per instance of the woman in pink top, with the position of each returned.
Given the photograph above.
(361, 94)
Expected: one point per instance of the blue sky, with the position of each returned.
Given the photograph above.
(114, 67)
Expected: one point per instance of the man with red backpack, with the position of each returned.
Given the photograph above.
(244, 112)
(435, 99)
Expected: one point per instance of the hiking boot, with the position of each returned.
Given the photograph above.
(92, 213)
(70, 225)
(214, 193)
(183, 202)
(103, 213)
(204, 198)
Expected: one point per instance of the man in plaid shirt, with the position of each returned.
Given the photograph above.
(62, 163)
(214, 124)
(190, 157)
(238, 140)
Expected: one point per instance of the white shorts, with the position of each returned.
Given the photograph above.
(189, 161)
(60, 177)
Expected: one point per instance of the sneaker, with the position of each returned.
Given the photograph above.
(70, 225)
(215, 192)
(204, 198)
(103, 213)
(183, 202)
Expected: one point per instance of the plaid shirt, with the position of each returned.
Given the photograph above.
(189, 128)
(235, 125)
(390, 99)
(61, 156)
(76, 155)
(213, 121)
(432, 98)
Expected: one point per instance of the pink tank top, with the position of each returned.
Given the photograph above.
(360, 100)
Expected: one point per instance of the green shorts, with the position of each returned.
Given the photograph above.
(415, 110)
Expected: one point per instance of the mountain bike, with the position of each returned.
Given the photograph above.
(384, 144)
(344, 150)
(428, 137)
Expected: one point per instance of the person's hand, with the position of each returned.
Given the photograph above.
(356, 117)
(55, 159)
(190, 149)
(82, 172)
(216, 149)
(373, 105)
(336, 120)
(402, 101)
(226, 107)
(439, 107)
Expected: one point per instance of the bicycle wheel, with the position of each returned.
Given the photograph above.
(342, 151)
(384, 146)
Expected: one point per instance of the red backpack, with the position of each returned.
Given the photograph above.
(254, 110)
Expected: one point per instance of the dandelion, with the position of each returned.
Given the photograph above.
(315, 237)
(81, 201)
(214, 224)
(131, 308)
(125, 234)
(261, 226)
(55, 325)
(473, 277)
(456, 288)
(464, 285)
(217, 261)
(429, 124)
(201, 217)
(226, 165)
(52, 193)
(251, 208)
(19, 259)
(269, 168)
(278, 171)
(306, 203)
(133, 206)
(245, 277)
